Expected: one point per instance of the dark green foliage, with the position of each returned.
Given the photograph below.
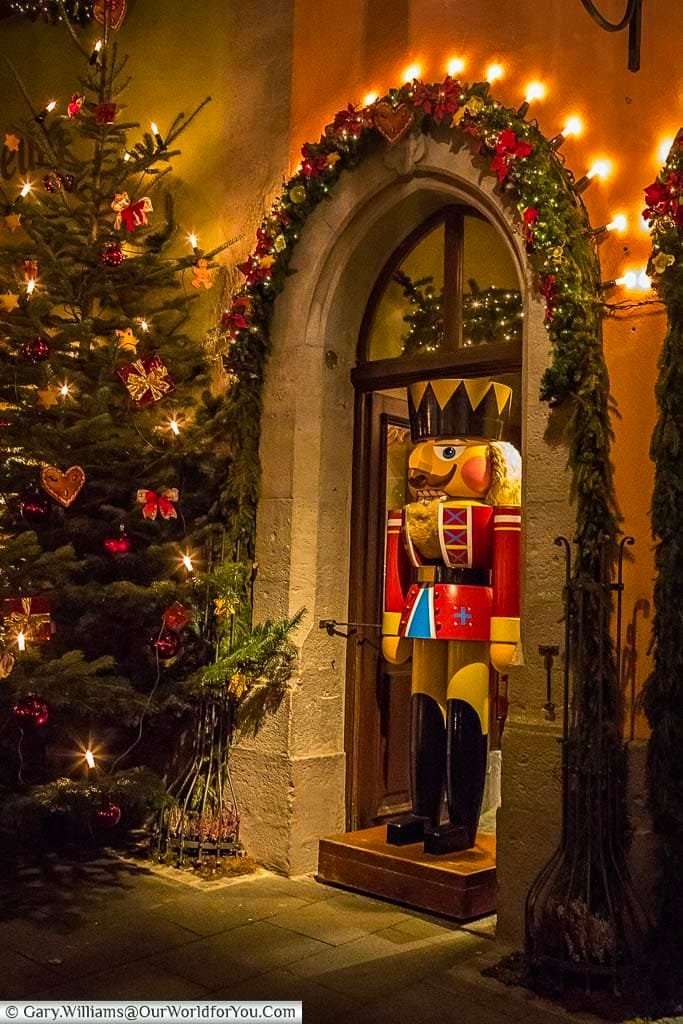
(663, 692)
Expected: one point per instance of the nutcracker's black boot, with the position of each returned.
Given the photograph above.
(428, 770)
(465, 780)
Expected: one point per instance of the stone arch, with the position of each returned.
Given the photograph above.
(291, 775)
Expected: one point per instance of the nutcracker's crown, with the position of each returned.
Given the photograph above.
(455, 407)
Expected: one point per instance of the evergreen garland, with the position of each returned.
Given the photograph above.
(557, 231)
(663, 691)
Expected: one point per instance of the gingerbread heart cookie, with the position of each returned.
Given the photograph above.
(392, 122)
(65, 486)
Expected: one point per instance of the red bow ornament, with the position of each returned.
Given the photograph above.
(132, 215)
(162, 504)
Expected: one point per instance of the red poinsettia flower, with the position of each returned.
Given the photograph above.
(254, 271)
(312, 164)
(349, 122)
(264, 243)
(438, 100)
(665, 199)
(508, 149)
(232, 320)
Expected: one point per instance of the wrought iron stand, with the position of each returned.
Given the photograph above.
(583, 922)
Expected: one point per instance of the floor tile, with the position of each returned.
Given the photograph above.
(19, 975)
(318, 1002)
(138, 981)
(374, 965)
(222, 960)
(340, 919)
(94, 947)
(209, 915)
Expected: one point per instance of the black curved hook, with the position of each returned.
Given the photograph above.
(633, 17)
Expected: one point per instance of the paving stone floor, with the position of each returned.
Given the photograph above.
(109, 929)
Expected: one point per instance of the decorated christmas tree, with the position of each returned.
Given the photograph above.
(124, 578)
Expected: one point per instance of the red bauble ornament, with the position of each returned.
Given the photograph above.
(30, 711)
(112, 254)
(108, 815)
(34, 506)
(37, 349)
(166, 644)
(118, 545)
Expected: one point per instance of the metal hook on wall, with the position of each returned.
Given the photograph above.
(632, 18)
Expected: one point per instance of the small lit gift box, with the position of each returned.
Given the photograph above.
(29, 617)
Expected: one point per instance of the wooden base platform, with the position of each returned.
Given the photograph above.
(461, 886)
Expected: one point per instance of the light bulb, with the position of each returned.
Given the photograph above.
(494, 72)
(25, 189)
(65, 390)
(411, 72)
(21, 640)
(51, 106)
(174, 426)
(456, 66)
(601, 169)
(30, 286)
(144, 325)
(535, 91)
(370, 98)
(126, 157)
(89, 758)
(94, 56)
(644, 281)
(574, 126)
(157, 135)
(187, 562)
(629, 280)
(664, 149)
(618, 223)
(192, 239)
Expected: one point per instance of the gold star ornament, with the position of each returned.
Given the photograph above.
(9, 302)
(47, 397)
(12, 142)
(13, 221)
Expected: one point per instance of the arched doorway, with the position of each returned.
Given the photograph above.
(447, 302)
(292, 777)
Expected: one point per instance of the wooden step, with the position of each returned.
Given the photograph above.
(461, 886)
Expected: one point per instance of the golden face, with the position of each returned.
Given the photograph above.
(458, 468)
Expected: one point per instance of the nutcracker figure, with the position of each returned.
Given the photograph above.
(451, 597)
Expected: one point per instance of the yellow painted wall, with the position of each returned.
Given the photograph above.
(278, 70)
